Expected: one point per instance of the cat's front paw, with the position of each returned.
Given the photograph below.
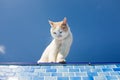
(62, 61)
(52, 62)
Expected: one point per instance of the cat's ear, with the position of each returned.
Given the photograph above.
(51, 23)
(64, 20)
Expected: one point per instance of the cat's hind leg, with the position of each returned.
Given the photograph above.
(43, 59)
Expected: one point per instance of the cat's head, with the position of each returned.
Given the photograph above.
(59, 30)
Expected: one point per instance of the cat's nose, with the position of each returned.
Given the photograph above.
(60, 32)
(59, 35)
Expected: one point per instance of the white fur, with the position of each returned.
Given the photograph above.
(59, 48)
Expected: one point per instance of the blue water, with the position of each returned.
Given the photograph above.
(95, 24)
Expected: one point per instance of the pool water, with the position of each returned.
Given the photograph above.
(60, 72)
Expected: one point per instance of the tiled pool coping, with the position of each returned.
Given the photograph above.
(54, 71)
(67, 63)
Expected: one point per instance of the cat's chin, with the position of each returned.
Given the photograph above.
(59, 38)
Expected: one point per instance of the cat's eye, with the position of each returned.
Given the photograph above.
(54, 32)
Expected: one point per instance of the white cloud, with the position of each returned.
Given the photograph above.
(2, 49)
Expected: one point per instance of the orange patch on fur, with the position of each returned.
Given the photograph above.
(64, 27)
(61, 25)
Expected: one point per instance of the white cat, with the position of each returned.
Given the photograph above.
(59, 48)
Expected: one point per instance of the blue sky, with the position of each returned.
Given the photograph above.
(95, 24)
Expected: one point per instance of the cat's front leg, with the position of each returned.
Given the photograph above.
(62, 54)
(61, 58)
(52, 56)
